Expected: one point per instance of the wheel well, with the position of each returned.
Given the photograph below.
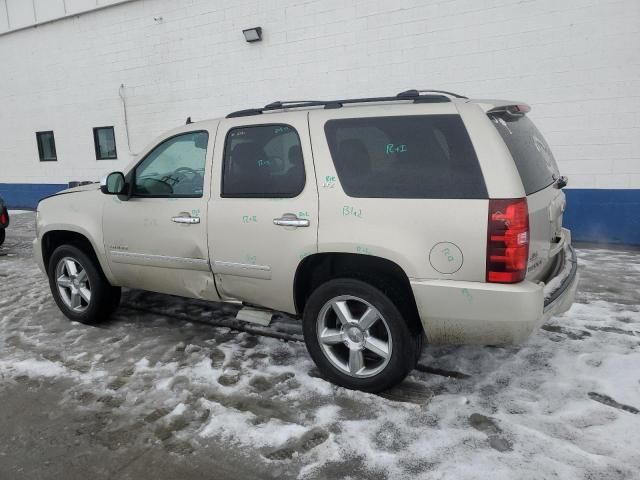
(52, 240)
(383, 274)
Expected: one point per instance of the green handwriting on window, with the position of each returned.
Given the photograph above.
(264, 163)
(396, 148)
(281, 130)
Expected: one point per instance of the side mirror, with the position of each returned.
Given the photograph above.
(113, 184)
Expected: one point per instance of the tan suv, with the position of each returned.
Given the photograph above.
(377, 221)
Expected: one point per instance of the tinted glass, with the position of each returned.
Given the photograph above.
(263, 161)
(46, 146)
(174, 168)
(530, 151)
(426, 156)
(105, 143)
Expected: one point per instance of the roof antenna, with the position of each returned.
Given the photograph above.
(189, 120)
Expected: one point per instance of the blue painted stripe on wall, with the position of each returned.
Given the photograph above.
(603, 215)
(27, 195)
(592, 215)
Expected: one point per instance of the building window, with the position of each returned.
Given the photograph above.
(105, 143)
(46, 146)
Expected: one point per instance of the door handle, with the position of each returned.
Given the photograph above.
(189, 220)
(291, 220)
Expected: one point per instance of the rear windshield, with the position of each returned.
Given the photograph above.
(420, 156)
(529, 150)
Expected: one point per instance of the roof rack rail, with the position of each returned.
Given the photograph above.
(432, 96)
(245, 113)
(444, 92)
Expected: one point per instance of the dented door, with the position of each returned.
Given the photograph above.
(157, 239)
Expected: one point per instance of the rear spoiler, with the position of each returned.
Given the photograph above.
(516, 110)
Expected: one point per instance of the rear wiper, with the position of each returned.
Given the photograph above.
(561, 182)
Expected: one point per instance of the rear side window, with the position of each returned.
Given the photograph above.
(530, 151)
(263, 161)
(421, 156)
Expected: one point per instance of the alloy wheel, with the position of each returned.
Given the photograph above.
(354, 336)
(73, 284)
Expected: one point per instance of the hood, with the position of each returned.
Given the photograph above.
(82, 188)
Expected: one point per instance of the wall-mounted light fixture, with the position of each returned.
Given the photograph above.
(253, 34)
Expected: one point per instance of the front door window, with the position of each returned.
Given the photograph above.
(175, 168)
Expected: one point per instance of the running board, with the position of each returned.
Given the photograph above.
(255, 315)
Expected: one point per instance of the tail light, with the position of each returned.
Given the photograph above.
(507, 240)
(3, 216)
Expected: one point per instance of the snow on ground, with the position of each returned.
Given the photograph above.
(172, 373)
(19, 212)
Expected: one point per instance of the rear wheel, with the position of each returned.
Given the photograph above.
(357, 336)
(79, 287)
(2, 235)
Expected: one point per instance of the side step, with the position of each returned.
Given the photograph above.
(255, 315)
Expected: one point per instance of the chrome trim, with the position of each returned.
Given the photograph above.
(291, 220)
(242, 265)
(242, 269)
(163, 261)
(186, 220)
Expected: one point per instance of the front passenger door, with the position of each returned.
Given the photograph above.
(157, 239)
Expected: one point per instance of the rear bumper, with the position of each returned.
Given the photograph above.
(455, 312)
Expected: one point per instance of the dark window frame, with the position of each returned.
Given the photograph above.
(482, 194)
(259, 195)
(130, 178)
(96, 142)
(39, 136)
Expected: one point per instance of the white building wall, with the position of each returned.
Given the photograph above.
(575, 61)
(18, 14)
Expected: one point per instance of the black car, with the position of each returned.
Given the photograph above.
(4, 219)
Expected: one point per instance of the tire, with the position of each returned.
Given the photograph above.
(2, 236)
(388, 348)
(69, 289)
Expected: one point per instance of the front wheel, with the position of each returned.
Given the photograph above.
(357, 336)
(79, 287)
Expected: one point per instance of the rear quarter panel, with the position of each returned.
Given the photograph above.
(416, 234)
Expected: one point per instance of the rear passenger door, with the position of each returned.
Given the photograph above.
(263, 214)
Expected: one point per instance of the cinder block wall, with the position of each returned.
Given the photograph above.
(575, 61)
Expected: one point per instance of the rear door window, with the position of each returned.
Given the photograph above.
(263, 161)
(419, 156)
(530, 151)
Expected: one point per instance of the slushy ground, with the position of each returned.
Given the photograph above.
(177, 389)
